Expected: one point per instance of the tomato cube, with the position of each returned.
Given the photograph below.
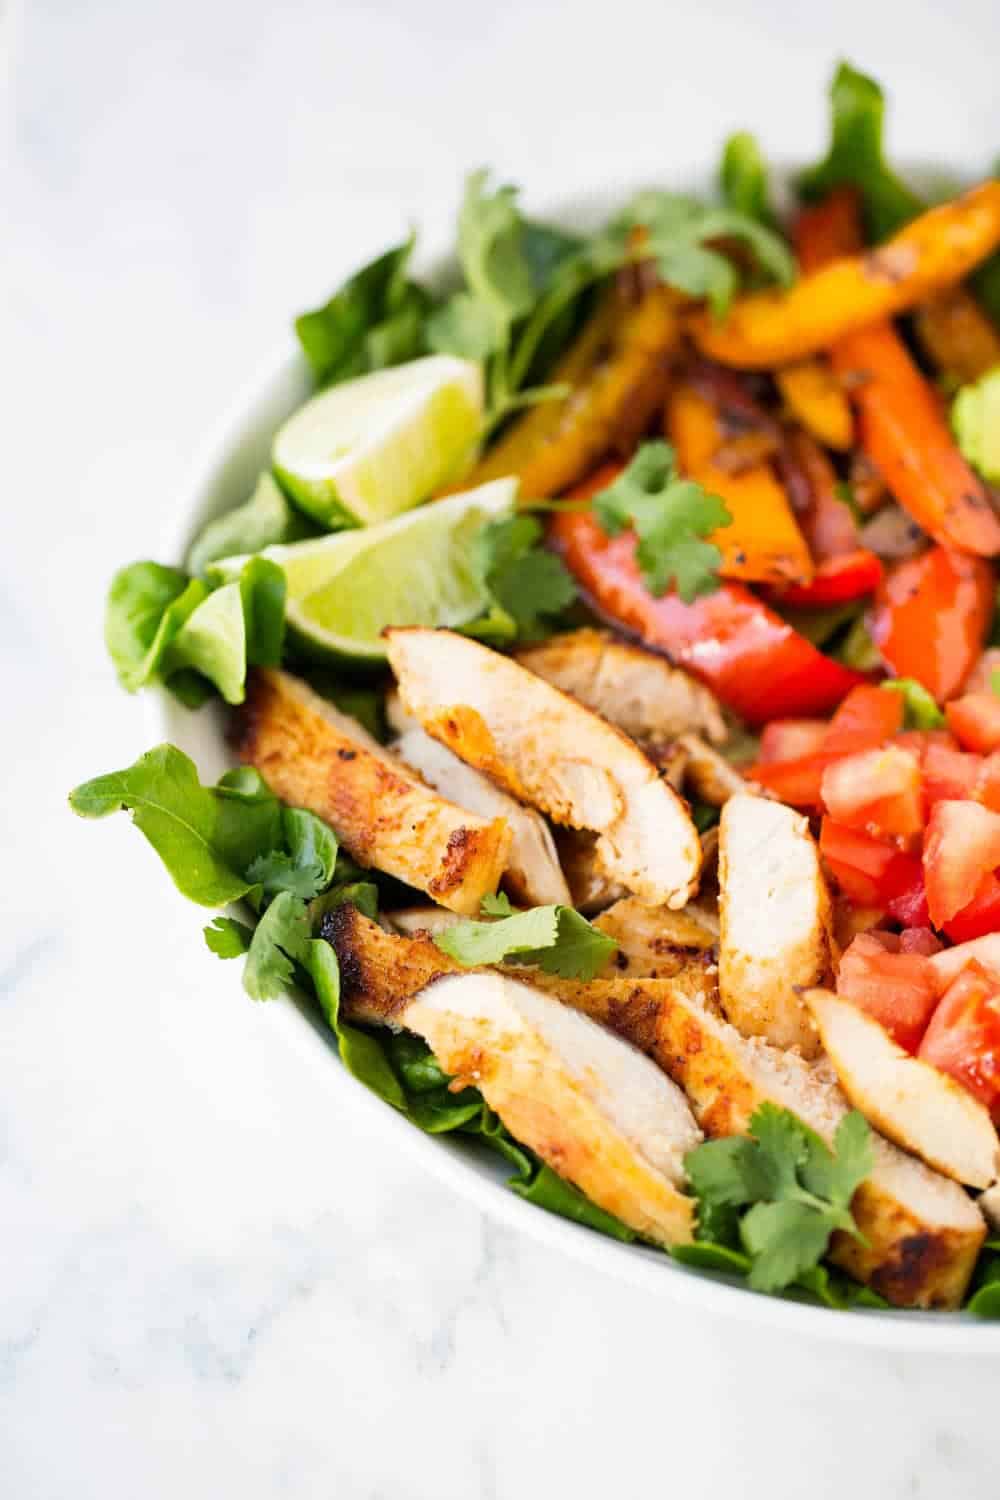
(876, 789)
(963, 1037)
(898, 989)
(975, 721)
(961, 845)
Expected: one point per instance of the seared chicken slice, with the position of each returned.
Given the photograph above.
(775, 931)
(546, 749)
(410, 920)
(915, 1105)
(591, 886)
(314, 756)
(532, 876)
(707, 773)
(657, 943)
(598, 1111)
(923, 1232)
(989, 1202)
(632, 687)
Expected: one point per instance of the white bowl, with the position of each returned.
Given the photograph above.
(224, 476)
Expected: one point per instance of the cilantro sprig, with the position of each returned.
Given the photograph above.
(781, 1191)
(555, 938)
(530, 583)
(671, 518)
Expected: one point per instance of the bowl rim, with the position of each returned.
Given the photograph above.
(457, 1164)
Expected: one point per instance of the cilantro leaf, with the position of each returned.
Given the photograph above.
(795, 1191)
(920, 710)
(530, 584)
(555, 938)
(497, 905)
(376, 319)
(671, 517)
(281, 936)
(228, 938)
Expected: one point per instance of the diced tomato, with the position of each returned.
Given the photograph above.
(790, 739)
(980, 917)
(908, 906)
(876, 789)
(921, 740)
(919, 940)
(980, 679)
(963, 1037)
(867, 717)
(797, 782)
(872, 873)
(961, 845)
(987, 788)
(975, 721)
(949, 774)
(899, 989)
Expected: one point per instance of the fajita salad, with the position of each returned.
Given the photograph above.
(614, 702)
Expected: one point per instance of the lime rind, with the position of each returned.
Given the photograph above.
(374, 447)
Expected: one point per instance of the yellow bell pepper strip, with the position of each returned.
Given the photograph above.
(771, 328)
(762, 543)
(618, 369)
(817, 401)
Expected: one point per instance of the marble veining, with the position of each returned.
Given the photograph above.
(213, 1281)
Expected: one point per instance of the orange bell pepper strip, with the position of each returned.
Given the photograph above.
(771, 328)
(817, 400)
(617, 370)
(957, 336)
(763, 542)
(752, 659)
(901, 426)
(931, 616)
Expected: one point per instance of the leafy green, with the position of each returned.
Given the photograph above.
(530, 584)
(743, 178)
(984, 1295)
(856, 156)
(522, 281)
(281, 936)
(857, 649)
(147, 605)
(794, 1192)
(376, 319)
(205, 848)
(228, 938)
(670, 516)
(305, 867)
(975, 418)
(555, 938)
(264, 520)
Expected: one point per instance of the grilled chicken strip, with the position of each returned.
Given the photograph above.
(546, 749)
(989, 1202)
(314, 756)
(923, 1232)
(533, 875)
(636, 689)
(657, 943)
(776, 921)
(913, 1104)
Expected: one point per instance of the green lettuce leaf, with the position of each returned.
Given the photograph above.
(743, 178)
(376, 319)
(147, 605)
(264, 520)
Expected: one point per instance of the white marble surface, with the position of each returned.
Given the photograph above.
(210, 1282)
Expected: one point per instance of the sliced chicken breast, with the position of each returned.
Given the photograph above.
(776, 921)
(923, 1232)
(314, 756)
(911, 1103)
(592, 887)
(989, 1202)
(533, 875)
(546, 749)
(657, 943)
(409, 920)
(632, 687)
(708, 774)
(592, 1106)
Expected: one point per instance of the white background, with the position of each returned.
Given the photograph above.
(210, 1282)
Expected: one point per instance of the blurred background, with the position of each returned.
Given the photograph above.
(210, 1281)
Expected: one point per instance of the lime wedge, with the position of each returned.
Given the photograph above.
(419, 569)
(373, 447)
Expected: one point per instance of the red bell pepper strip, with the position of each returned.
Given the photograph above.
(931, 616)
(839, 580)
(755, 662)
(901, 426)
